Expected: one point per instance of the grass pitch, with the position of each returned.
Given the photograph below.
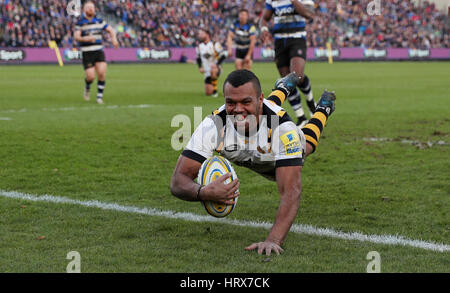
(53, 142)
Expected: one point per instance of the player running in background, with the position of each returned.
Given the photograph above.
(256, 133)
(210, 56)
(244, 35)
(88, 33)
(290, 46)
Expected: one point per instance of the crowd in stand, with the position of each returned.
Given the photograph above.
(169, 23)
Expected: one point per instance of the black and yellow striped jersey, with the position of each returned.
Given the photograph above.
(276, 143)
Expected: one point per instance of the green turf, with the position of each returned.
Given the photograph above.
(56, 143)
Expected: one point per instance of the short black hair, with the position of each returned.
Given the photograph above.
(205, 30)
(241, 77)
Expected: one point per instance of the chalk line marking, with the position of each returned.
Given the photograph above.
(417, 143)
(100, 107)
(5, 119)
(296, 228)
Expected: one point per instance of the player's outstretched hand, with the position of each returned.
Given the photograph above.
(221, 192)
(266, 246)
(288, 83)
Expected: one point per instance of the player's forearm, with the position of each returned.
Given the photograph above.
(264, 20)
(229, 42)
(184, 187)
(112, 34)
(287, 211)
(221, 59)
(252, 45)
(199, 62)
(113, 37)
(302, 9)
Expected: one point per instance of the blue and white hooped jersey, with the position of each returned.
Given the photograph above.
(93, 27)
(287, 23)
(242, 34)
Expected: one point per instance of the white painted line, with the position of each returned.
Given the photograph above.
(62, 109)
(416, 143)
(5, 119)
(296, 228)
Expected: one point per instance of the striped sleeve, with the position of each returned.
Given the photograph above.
(269, 5)
(232, 28)
(104, 24)
(78, 25)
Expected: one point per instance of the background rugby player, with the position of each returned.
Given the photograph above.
(88, 33)
(210, 56)
(290, 46)
(244, 35)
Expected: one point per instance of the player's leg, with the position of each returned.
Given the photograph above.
(100, 68)
(315, 126)
(215, 72)
(305, 88)
(239, 63)
(209, 89)
(283, 61)
(297, 64)
(89, 69)
(297, 53)
(244, 63)
(90, 76)
(248, 64)
(294, 99)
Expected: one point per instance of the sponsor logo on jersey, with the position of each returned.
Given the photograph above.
(285, 10)
(291, 143)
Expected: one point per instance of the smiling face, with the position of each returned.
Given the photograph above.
(244, 104)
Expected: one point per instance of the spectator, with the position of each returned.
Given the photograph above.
(162, 23)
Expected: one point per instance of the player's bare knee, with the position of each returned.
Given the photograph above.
(90, 76)
(101, 77)
(238, 64)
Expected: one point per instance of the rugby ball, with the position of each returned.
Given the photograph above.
(210, 170)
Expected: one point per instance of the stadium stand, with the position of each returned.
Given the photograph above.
(344, 23)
